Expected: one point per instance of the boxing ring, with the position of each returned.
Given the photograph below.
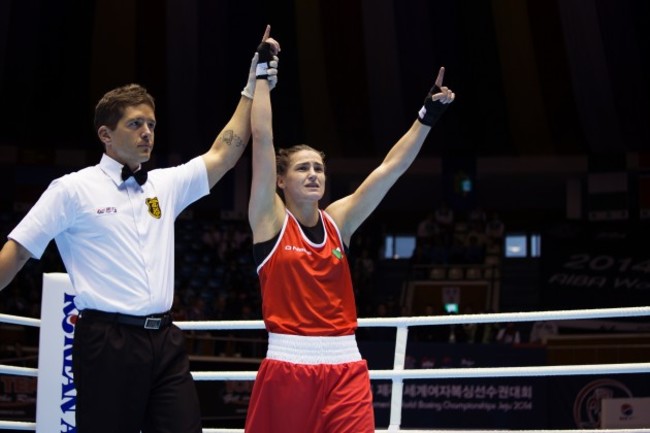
(396, 375)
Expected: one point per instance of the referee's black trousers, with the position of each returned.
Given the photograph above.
(130, 379)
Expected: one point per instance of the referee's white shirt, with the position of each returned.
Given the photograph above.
(116, 238)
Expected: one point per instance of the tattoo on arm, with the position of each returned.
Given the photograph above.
(229, 137)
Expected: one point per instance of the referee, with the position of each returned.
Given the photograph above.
(113, 224)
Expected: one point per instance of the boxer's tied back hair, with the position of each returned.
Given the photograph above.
(283, 157)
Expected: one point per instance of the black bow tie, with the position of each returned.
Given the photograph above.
(140, 176)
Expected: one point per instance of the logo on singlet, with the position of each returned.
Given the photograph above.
(297, 249)
(336, 252)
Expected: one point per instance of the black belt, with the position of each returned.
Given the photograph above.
(153, 321)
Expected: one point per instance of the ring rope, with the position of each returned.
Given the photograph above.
(30, 426)
(448, 373)
(442, 320)
(18, 425)
(18, 320)
(18, 371)
(425, 373)
(410, 321)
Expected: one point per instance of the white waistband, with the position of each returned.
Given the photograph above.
(300, 349)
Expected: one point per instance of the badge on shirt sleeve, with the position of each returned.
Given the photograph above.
(154, 207)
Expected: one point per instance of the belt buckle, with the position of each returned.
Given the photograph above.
(152, 323)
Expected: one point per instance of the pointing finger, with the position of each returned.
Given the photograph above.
(441, 75)
(267, 32)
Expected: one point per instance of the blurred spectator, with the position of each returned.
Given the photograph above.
(477, 218)
(16, 304)
(434, 333)
(439, 253)
(444, 217)
(364, 268)
(469, 330)
(421, 255)
(426, 230)
(474, 250)
(380, 333)
(456, 250)
(220, 310)
(179, 312)
(494, 229)
(486, 332)
(211, 236)
(197, 309)
(541, 330)
(405, 311)
(509, 334)
(363, 272)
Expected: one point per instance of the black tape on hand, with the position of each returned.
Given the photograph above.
(265, 56)
(432, 110)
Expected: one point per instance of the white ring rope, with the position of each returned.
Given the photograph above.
(425, 373)
(18, 425)
(448, 373)
(443, 320)
(402, 321)
(18, 320)
(18, 371)
(398, 374)
(30, 426)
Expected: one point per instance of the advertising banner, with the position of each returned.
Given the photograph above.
(593, 265)
(577, 401)
(500, 402)
(56, 395)
(625, 413)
